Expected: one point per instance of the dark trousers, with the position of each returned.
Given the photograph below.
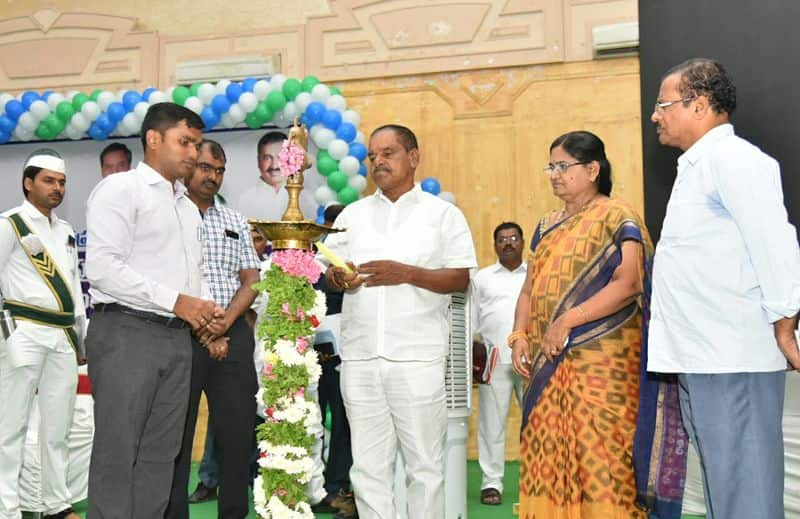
(340, 455)
(140, 383)
(230, 386)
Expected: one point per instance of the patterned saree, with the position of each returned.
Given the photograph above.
(601, 438)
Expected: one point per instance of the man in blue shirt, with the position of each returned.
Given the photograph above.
(726, 292)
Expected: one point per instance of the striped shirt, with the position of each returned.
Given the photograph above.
(228, 249)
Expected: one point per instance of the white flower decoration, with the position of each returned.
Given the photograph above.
(32, 244)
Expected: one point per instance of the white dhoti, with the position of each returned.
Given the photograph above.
(389, 404)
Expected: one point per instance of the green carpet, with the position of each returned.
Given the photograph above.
(475, 509)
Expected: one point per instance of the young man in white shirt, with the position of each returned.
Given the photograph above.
(494, 298)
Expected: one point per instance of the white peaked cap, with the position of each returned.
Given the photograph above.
(47, 162)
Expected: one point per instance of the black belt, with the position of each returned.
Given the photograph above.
(150, 317)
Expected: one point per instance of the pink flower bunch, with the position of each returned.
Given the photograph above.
(302, 345)
(290, 158)
(300, 393)
(298, 263)
(268, 372)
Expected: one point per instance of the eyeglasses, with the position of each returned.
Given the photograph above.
(508, 239)
(561, 167)
(660, 106)
(205, 167)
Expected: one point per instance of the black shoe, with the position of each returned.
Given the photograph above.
(325, 506)
(202, 494)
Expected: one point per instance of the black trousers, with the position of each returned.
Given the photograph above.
(230, 386)
(340, 455)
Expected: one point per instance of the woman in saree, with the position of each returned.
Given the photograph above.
(591, 411)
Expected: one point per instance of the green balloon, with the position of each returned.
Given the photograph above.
(79, 100)
(292, 87)
(326, 165)
(95, 94)
(276, 101)
(65, 111)
(53, 124)
(323, 153)
(181, 94)
(309, 82)
(264, 112)
(337, 180)
(335, 91)
(348, 195)
(194, 88)
(43, 132)
(253, 121)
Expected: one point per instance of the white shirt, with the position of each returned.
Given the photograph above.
(495, 291)
(727, 265)
(20, 281)
(262, 202)
(144, 243)
(399, 322)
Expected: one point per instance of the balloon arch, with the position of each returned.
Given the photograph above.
(253, 103)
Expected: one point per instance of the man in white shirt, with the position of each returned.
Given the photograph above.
(268, 199)
(144, 261)
(726, 292)
(411, 250)
(40, 283)
(494, 298)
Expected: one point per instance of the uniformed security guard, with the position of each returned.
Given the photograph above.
(41, 286)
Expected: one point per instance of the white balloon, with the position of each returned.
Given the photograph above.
(324, 137)
(27, 122)
(73, 133)
(336, 102)
(206, 93)
(169, 92)
(79, 122)
(338, 149)
(302, 101)
(121, 95)
(39, 109)
(71, 94)
(104, 99)
(22, 134)
(358, 183)
(130, 123)
(320, 93)
(90, 110)
(447, 196)
(352, 117)
(290, 111)
(276, 82)
(281, 121)
(52, 101)
(236, 113)
(324, 194)
(348, 165)
(4, 98)
(158, 97)
(359, 137)
(141, 109)
(227, 121)
(194, 104)
(222, 86)
(248, 101)
(261, 89)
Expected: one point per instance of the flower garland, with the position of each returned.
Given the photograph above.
(293, 312)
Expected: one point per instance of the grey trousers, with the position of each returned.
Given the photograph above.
(734, 421)
(140, 374)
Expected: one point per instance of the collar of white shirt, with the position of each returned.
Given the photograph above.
(409, 197)
(34, 214)
(152, 177)
(499, 267)
(693, 154)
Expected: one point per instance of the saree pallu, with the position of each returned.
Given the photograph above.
(600, 437)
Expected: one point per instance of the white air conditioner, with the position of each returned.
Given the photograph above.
(615, 40)
(234, 68)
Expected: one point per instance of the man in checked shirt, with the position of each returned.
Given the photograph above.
(226, 373)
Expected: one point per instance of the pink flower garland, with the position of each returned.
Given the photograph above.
(290, 158)
(298, 263)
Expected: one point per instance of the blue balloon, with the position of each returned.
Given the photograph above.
(4, 137)
(332, 119)
(321, 210)
(46, 94)
(96, 133)
(28, 98)
(6, 124)
(362, 169)
(130, 99)
(304, 121)
(210, 117)
(104, 123)
(314, 112)
(347, 132)
(358, 150)
(249, 84)
(116, 111)
(320, 220)
(14, 109)
(147, 92)
(431, 185)
(233, 92)
(220, 104)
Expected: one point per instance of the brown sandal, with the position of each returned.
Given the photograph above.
(491, 496)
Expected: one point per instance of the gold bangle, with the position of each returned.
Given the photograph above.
(583, 314)
(517, 334)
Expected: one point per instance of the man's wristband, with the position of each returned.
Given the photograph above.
(517, 334)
